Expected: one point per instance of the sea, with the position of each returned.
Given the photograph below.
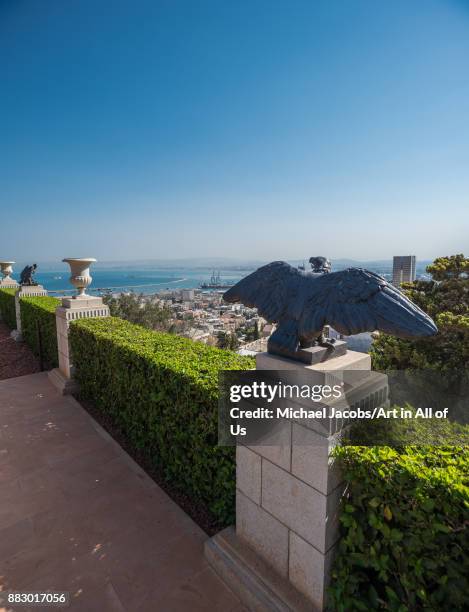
(148, 279)
(145, 281)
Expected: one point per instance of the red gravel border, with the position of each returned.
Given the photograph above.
(16, 358)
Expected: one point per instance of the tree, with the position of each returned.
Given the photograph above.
(228, 341)
(447, 268)
(138, 309)
(252, 333)
(446, 300)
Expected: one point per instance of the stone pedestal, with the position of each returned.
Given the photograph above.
(313, 354)
(24, 291)
(8, 283)
(72, 308)
(287, 509)
(350, 361)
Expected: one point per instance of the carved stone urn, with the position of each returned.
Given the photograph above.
(80, 274)
(7, 271)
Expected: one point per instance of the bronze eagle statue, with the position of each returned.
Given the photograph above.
(27, 275)
(351, 301)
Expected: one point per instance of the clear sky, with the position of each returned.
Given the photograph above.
(251, 128)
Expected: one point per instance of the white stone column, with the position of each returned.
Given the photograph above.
(287, 508)
(71, 310)
(24, 291)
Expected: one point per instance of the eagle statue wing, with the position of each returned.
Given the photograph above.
(270, 289)
(356, 300)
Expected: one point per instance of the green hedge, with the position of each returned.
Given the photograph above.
(161, 390)
(7, 307)
(40, 310)
(404, 525)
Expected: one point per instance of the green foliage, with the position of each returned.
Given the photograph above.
(7, 307)
(404, 523)
(136, 309)
(228, 341)
(40, 311)
(447, 301)
(446, 268)
(404, 540)
(161, 390)
(252, 333)
(402, 432)
(139, 309)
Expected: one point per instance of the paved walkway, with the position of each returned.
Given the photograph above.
(78, 515)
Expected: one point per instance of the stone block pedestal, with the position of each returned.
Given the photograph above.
(8, 283)
(350, 361)
(24, 291)
(287, 509)
(72, 309)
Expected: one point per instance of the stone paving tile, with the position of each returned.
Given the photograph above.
(101, 598)
(200, 592)
(77, 514)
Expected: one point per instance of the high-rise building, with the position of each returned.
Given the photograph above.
(403, 269)
(187, 295)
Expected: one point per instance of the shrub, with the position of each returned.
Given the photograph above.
(161, 391)
(416, 431)
(7, 307)
(40, 311)
(405, 544)
(447, 302)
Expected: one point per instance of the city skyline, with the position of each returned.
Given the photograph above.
(205, 263)
(257, 130)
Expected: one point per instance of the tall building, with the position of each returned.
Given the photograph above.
(187, 295)
(403, 269)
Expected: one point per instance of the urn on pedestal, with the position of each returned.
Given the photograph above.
(80, 306)
(7, 270)
(80, 274)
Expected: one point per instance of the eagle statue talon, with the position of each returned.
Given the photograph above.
(326, 342)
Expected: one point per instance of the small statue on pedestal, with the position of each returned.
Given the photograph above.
(26, 277)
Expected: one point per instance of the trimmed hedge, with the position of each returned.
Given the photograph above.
(7, 307)
(161, 390)
(404, 530)
(40, 310)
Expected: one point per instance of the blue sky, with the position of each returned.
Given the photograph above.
(257, 129)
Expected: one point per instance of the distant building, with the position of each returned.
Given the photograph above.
(403, 269)
(187, 295)
(254, 347)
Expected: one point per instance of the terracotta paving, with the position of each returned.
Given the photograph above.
(78, 515)
(16, 358)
